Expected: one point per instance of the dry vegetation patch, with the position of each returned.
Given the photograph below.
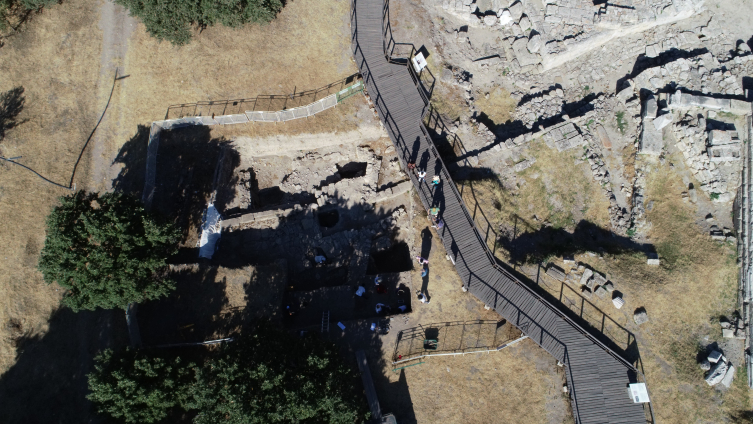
(497, 105)
(55, 59)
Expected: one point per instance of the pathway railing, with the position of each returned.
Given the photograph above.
(389, 121)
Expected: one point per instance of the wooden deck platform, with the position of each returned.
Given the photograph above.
(597, 377)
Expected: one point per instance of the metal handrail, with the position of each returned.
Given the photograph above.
(387, 118)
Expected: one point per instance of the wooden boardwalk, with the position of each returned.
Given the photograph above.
(597, 377)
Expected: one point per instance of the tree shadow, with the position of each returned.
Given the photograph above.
(189, 165)
(132, 157)
(643, 62)
(191, 313)
(48, 381)
(393, 396)
(11, 104)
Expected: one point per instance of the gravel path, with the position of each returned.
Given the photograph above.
(116, 25)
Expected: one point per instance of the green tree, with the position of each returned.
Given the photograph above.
(274, 377)
(138, 386)
(107, 251)
(171, 19)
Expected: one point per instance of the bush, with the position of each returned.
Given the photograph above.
(269, 377)
(138, 387)
(37, 4)
(171, 19)
(106, 251)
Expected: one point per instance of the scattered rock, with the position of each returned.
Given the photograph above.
(653, 259)
(640, 316)
(490, 20)
(705, 365)
(608, 286)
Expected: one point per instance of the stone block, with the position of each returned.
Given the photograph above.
(662, 121)
(728, 376)
(740, 107)
(516, 11)
(608, 286)
(653, 259)
(640, 316)
(586, 292)
(716, 373)
(722, 138)
(604, 137)
(715, 356)
(601, 292)
(568, 260)
(523, 165)
(651, 142)
(728, 333)
(556, 272)
(650, 108)
(490, 20)
(705, 365)
(587, 274)
(618, 302)
(534, 43)
(505, 18)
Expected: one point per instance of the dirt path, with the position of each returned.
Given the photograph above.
(116, 26)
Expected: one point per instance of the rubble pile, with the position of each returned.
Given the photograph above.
(718, 369)
(541, 107)
(720, 177)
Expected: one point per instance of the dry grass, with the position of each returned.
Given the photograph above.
(55, 58)
(684, 297)
(557, 189)
(498, 107)
(448, 100)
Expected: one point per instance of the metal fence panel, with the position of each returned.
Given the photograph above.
(207, 120)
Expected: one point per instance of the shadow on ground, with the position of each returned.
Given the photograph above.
(48, 384)
(11, 104)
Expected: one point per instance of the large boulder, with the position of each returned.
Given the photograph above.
(490, 20)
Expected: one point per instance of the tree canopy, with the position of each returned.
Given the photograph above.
(171, 20)
(268, 377)
(107, 251)
(138, 387)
